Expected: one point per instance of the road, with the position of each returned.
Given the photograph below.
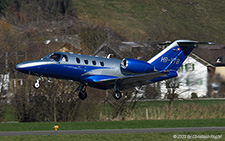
(112, 131)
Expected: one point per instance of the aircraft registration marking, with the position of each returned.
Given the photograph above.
(171, 60)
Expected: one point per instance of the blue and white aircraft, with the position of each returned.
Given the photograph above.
(108, 73)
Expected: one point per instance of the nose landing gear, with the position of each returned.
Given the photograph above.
(36, 84)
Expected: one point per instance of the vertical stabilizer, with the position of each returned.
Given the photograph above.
(172, 57)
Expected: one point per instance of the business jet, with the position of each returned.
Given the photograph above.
(109, 73)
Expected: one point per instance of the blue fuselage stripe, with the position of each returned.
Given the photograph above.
(70, 72)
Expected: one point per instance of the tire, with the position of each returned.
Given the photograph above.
(82, 95)
(117, 95)
(36, 85)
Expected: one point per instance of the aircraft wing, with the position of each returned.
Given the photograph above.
(131, 80)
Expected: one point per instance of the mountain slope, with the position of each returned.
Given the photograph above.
(158, 19)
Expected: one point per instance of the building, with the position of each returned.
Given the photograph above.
(213, 56)
(192, 79)
(202, 73)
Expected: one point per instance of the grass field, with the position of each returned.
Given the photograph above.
(156, 110)
(182, 109)
(216, 135)
(209, 135)
(38, 126)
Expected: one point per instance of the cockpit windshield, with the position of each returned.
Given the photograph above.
(55, 56)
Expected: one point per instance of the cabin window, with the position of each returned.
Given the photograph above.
(55, 56)
(94, 62)
(78, 60)
(102, 63)
(64, 58)
(86, 61)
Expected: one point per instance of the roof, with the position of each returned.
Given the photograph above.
(213, 55)
(124, 49)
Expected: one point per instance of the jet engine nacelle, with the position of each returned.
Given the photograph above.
(136, 66)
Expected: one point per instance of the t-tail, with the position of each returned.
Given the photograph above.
(172, 57)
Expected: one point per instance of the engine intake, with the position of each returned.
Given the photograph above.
(136, 66)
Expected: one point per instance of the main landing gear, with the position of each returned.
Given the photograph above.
(82, 91)
(117, 94)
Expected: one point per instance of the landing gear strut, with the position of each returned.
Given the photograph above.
(82, 91)
(116, 93)
(37, 84)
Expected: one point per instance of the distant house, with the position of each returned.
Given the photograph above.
(213, 56)
(4, 83)
(202, 73)
(192, 78)
(122, 50)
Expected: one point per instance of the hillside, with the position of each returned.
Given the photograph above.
(158, 19)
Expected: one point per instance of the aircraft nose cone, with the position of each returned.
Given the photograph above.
(22, 67)
(19, 67)
(28, 67)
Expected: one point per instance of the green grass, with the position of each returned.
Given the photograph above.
(146, 104)
(38, 126)
(10, 113)
(157, 110)
(182, 109)
(121, 137)
(161, 20)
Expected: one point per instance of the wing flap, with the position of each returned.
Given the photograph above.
(131, 80)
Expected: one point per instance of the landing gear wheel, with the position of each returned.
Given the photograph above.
(82, 95)
(117, 94)
(36, 85)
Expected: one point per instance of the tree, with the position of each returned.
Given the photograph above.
(26, 11)
(172, 85)
(3, 6)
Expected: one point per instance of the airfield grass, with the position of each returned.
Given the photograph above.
(185, 113)
(219, 135)
(131, 124)
(41, 126)
(181, 109)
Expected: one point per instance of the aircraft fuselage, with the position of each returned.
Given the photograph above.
(76, 67)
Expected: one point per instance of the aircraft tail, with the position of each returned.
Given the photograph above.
(172, 57)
